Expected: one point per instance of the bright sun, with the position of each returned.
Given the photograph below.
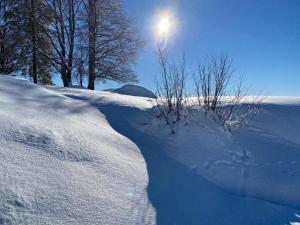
(164, 26)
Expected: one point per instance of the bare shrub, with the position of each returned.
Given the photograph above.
(215, 92)
(171, 95)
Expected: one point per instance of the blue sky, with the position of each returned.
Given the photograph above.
(261, 36)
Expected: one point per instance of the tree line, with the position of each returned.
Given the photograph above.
(78, 39)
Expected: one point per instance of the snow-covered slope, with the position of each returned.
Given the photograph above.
(260, 160)
(62, 163)
(71, 156)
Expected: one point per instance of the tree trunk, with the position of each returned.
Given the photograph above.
(2, 50)
(71, 22)
(81, 80)
(62, 42)
(81, 71)
(92, 43)
(64, 77)
(34, 43)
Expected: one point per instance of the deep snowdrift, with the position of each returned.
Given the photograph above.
(71, 156)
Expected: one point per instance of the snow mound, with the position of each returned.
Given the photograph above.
(135, 90)
(62, 163)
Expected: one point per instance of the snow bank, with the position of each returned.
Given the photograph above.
(62, 163)
(261, 160)
(135, 90)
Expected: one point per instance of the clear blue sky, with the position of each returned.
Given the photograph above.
(262, 37)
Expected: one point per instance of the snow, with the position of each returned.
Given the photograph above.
(135, 90)
(73, 156)
(260, 160)
(61, 162)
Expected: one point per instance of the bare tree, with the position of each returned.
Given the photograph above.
(62, 35)
(57, 30)
(24, 16)
(112, 42)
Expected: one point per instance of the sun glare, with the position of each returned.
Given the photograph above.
(165, 24)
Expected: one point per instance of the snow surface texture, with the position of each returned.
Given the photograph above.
(71, 156)
(62, 163)
(134, 90)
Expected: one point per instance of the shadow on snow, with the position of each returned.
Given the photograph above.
(181, 197)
